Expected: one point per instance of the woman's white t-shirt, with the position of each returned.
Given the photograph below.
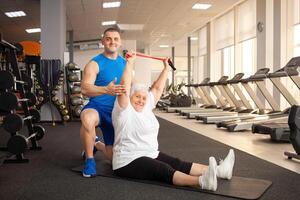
(135, 133)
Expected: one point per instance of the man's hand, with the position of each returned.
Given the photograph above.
(113, 89)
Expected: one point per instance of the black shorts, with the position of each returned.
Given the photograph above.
(160, 169)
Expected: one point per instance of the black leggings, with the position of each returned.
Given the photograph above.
(160, 169)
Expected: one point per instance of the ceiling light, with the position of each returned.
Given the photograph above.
(108, 23)
(15, 14)
(111, 4)
(194, 38)
(201, 6)
(163, 46)
(33, 30)
(136, 27)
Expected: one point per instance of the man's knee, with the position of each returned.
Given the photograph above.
(89, 119)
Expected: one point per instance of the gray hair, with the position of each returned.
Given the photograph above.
(138, 87)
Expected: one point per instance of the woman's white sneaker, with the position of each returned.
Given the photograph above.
(225, 167)
(208, 180)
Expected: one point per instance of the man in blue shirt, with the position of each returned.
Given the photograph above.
(100, 82)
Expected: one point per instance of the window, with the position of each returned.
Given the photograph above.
(248, 57)
(228, 61)
(297, 40)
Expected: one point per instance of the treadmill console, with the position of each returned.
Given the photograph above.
(293, 70)
(206, 80)
(293, 62)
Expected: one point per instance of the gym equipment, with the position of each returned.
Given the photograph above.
(8, 81)
(77, 110)
(237, 187)
(40, 92)
(14, 122)
(73, 77)
(294, 125)
(279, 130)
(75, 89)
(242, 108)
(76, 100)
(65, 112)
(72, 66)
(152, 57)
(9, 101)
(11, 65)
(18, 144)
(55, 99)
(54, 92)
(62, 106)
(246, 113)
(66, 117)
(246, 123)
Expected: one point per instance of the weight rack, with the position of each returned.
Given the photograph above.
(72, 69)
(11, 64)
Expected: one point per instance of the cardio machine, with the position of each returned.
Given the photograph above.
(294, 125)
(279, 131)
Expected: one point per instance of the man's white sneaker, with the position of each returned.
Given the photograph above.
(225, 167)
(208, 180)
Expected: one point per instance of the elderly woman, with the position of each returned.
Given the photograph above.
(135, 149)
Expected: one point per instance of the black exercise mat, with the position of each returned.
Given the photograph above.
(237, 187)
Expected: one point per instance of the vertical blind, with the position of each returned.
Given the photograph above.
(246, 16)
(296, 6)
(224, 30)
(203, 41)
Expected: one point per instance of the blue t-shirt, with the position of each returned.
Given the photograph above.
(109, 69)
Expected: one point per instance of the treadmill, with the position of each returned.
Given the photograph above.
(211, 106)
(242, 107)
(246, 124)
(222, 99)
(279, 131)
(247, 110)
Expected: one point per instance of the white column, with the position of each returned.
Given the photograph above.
(53, 26)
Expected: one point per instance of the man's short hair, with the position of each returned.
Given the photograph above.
(111, 29)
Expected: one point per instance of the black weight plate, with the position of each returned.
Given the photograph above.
(8, 101)
(36, 116)
(40, 132)
(13, 123)
(17, 144)
(6, 80)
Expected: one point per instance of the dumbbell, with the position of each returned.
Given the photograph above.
(40, 98)
(75, 89)
(40, 92)
(66, 117)
(72, 66)
(9, 101)
(73, 77)
(64, 112)
(14, 122)
(75, 100)
(54, 92)
(62, 106)
(8, 81)
(18, 144)
(54, 99)
(77, 110)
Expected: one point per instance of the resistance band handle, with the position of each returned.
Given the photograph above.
(171, 64)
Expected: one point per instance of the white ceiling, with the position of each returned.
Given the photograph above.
(165, 21)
